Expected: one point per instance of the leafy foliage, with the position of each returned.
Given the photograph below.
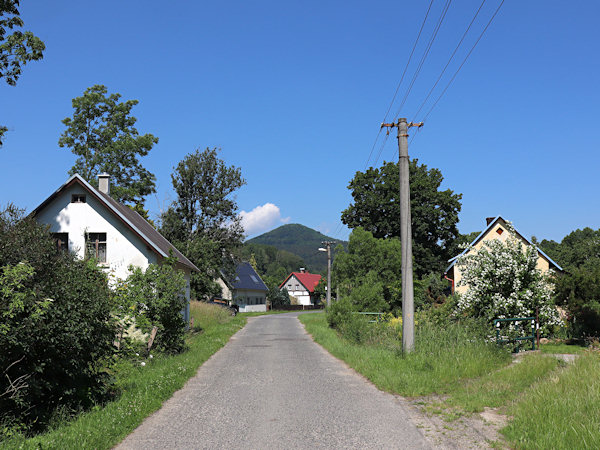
(17, 47)
(156, 297)
(368, 274)
(103, 136)
(57, 331)
(504, 282)
(434, 212)
(203, 222)
(277, 297)
(578, 289)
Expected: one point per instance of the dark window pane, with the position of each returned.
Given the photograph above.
(78, 198)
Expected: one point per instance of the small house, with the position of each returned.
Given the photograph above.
(88, 222)
(496, 229)
(301, 285)
(247, 290)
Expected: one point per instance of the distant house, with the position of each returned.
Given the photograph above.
(88, 222)
(301, 285)
(247, 290)
(496, 229)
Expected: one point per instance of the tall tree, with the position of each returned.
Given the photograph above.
(368, 274)
(103, 136)
(203, 221)
(578, 289)
(434, 212)
(17, 47)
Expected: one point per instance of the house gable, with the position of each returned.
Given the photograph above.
(497, 229)
(121, 218)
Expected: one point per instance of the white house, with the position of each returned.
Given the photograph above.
(88, 222)
(247, 290)
(301, 285)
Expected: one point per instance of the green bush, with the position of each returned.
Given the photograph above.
(57, 333)
(156, 297)
(339, 312)
(278, 297)
(579, 291)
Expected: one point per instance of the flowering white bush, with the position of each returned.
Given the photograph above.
(504, 282)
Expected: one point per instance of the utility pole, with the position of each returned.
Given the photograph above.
(327, 248)
(408, 307)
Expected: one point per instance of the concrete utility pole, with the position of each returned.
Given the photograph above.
(408, 307)
(327, 248)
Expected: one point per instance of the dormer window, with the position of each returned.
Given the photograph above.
(78, 198)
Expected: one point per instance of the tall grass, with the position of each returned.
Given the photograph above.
(143, 389)
(442, 357)
(208, 315)
(562, 412)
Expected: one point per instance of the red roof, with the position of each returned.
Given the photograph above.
(308, 280)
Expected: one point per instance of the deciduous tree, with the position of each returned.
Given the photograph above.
(434, 212)
(203, 221)
(17, 47)
(103, 136)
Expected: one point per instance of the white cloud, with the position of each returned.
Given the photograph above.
(261, 219)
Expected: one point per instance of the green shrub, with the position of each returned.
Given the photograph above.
(339, 312)
(57, 333)
(278, 297)
(156, 297)
(579, 291)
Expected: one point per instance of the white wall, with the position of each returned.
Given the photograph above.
(241, 298)
(297, 289)
(123, 247)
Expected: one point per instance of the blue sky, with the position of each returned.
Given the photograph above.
(294, 92)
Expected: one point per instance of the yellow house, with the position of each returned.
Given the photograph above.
(496, 229)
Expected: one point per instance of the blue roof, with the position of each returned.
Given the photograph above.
(247, 278)
(491, 224)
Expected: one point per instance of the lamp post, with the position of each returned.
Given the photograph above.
(328, 250)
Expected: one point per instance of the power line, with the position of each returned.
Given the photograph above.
(464, 61)
(381, 149)
(425, 54)
(400, 82)
(450, 59)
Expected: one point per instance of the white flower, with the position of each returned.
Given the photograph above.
(142, 363)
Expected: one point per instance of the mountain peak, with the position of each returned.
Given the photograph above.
(298, 239)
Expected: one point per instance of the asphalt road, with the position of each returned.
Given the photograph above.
(272, 387)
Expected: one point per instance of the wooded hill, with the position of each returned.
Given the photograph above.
(301, 241)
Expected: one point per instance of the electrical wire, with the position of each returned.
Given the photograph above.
(425, 54)
(399, 83)
(464, 61)
(450, 59)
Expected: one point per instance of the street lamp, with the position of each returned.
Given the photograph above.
(328, 250)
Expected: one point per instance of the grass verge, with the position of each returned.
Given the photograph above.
(562, 349)
(441, 359)
(143, 388)
(562, 412)
(503, 386)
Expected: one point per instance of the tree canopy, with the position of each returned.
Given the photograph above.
(203, 222)
(17, 47)
(579, 288)
(434, 212)
(368, 274)
(103, 136)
